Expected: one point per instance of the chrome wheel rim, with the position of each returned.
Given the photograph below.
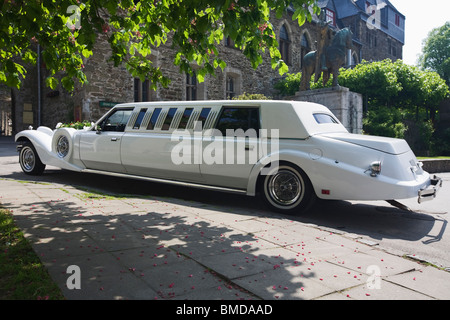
(28, 159)
(62, 146)
(285, 187)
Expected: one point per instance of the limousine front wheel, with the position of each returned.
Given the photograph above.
(287, 189)
(29, 160)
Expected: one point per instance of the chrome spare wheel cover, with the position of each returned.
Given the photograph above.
(285, 187)
(28, 159)
(62, 146)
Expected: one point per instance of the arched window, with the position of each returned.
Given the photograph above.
(142, 91)
(191, 86)
(284, 44)
(230, 89)
(232, 82)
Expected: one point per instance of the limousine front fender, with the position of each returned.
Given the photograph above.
(45, 141)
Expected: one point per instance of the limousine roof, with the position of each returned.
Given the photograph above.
(293, 119)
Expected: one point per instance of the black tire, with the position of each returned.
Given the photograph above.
(287, 190)
(29, 160)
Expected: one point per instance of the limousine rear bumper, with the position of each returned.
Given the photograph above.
(429, 193)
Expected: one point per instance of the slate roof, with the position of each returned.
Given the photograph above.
(350, 8)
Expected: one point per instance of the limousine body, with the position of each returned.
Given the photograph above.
(287, 152)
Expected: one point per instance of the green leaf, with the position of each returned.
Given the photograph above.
(51, 82)
(222, 65)
(200, 77)
(202, 24)
(68, 83)
(283, 68)
(86, 53)
(29, 56)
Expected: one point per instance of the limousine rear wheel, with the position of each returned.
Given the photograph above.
(29, 160)
(287, 189)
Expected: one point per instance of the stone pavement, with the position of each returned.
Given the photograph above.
(136, 247)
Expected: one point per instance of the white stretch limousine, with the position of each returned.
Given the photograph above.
(287, 152)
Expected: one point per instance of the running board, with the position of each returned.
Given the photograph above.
(173, 182)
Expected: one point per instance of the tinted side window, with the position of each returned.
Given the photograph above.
(153, 119)
(202, 119)
(139, 119)
(169, 118)
(185, 118)
(116, 121)
(238, 118)
(324, 118)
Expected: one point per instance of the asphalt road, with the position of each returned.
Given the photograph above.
(421, 233)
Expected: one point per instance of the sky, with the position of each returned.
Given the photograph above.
(421, 18)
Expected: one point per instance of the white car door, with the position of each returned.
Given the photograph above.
(100, 150)
(231, 149)
(151, 148)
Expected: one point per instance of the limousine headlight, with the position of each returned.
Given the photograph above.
(375, 168)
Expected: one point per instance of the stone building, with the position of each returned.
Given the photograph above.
(378, 33)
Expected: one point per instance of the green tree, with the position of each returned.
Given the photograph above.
(66, 31)
(385, 121)
(396, 84)
(436, 52)
(397, 93)
(376, 81)
(419, 89)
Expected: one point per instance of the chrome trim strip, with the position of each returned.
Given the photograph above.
(173, 182)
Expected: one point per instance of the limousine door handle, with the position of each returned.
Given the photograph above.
(115, 139)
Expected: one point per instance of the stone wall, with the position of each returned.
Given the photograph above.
(436, 165)
(26, 102)
(105, 82)
(372, 44)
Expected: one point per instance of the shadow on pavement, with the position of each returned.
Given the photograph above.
(377, 221)
(154, 255)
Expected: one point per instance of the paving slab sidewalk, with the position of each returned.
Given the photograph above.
(155, 248)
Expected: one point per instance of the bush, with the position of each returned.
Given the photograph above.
(386, 122)
(289, 85)
(377, 81)
(251, 96)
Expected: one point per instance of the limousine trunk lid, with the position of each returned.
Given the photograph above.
(383, 144)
